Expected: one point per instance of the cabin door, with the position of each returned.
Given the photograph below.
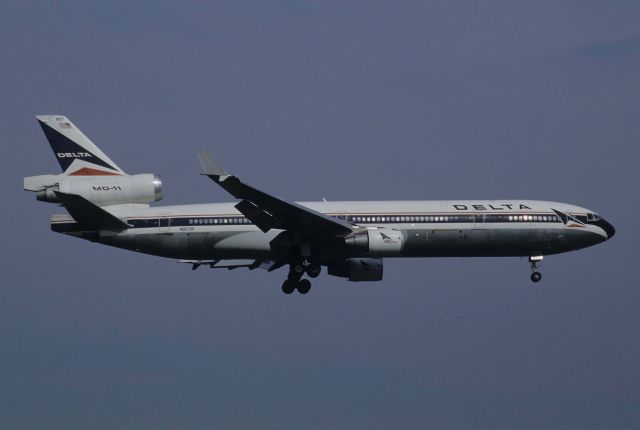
(164, 223)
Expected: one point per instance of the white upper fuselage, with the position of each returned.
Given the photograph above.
(370, 212)
(364, 207)
(424, 224)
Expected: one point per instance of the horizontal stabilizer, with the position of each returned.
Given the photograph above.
(90, 215)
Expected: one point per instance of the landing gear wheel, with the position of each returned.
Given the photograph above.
(304, 285)
(536, 276)
(298, 269)
(535, 260)
(288, 286)
(313, 270)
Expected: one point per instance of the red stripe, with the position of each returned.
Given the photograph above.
(87, 171)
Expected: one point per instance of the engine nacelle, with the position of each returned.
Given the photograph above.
(357, 269)
(100, 190)
(380, 242)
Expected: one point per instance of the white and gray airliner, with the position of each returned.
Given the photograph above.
(259, 230)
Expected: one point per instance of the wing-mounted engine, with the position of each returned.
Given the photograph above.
(357, 269)
(100, 190)
(379, 242)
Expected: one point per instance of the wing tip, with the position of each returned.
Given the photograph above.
(208, 165)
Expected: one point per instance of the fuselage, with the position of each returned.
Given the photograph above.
(428, 228)
(349, 238)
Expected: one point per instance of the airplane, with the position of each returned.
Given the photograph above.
(347, 238)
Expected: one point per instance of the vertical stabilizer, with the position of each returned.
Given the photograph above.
(76, 153)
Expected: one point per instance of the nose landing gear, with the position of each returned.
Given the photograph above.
(535, 260)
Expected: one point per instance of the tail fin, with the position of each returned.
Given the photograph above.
(76, 153)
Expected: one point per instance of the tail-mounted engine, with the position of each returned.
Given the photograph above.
(88, 172)
(357, 269)
(379, 242)
(100, 190)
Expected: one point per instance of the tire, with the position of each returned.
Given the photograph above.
(288, 286)
(304, 286)
(314, 270)
(535, 277)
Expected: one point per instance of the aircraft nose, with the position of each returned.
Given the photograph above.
(608, 228)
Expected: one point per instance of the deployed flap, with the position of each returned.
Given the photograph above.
(263, 220)
(228, 264)
(289, 215)
(90, 215)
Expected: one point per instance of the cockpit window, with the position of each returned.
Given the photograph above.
(593, 217)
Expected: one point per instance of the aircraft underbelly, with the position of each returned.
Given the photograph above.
(494, 242)
(227, 245)
(419, 243)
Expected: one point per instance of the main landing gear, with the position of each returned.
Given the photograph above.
(535, 275)
(295, 282)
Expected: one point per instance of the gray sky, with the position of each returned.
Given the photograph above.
(348, 100)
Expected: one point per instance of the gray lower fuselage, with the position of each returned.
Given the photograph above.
(428, 228)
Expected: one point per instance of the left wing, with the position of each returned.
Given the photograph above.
(268, 211)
